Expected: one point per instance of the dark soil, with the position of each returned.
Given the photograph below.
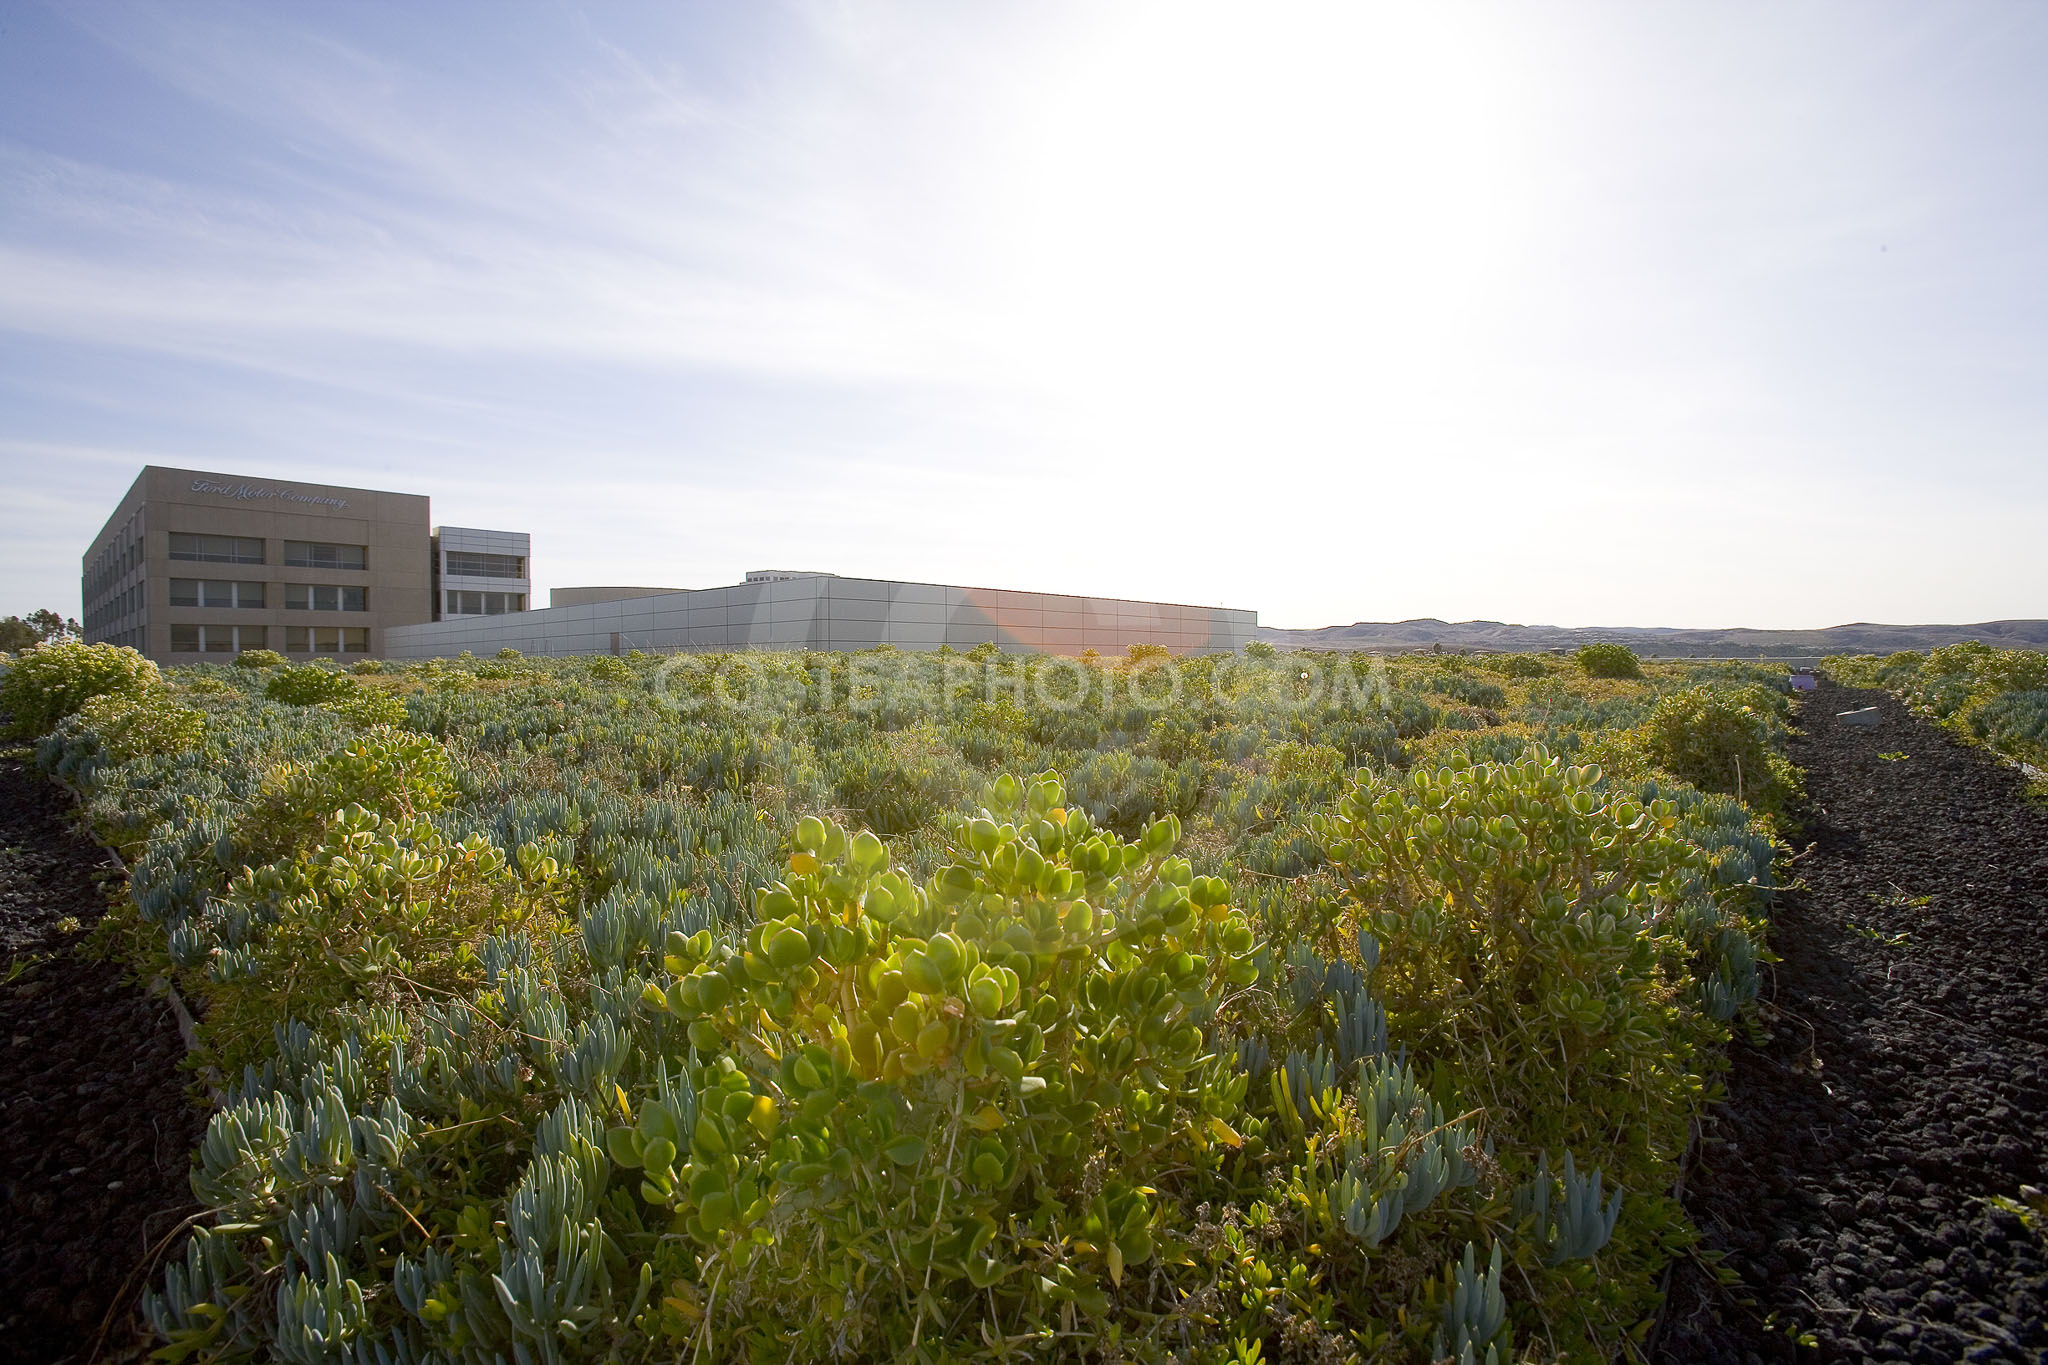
(1902, 1079)
(96, 1127)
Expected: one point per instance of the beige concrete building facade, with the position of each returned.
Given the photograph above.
(195, 566)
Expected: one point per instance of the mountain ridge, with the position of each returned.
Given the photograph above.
(1856, 637)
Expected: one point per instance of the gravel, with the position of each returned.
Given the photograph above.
(1899, 1084)
(96, 1124)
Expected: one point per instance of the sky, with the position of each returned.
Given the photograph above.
(1681, 314)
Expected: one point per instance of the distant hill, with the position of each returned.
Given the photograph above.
(1860, 637)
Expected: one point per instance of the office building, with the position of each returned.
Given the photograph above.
(195, 565)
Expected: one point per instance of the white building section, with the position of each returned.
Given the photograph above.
(481, 573)
(824, 612)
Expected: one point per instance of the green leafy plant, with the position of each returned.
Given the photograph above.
(1516, 665)
(309, 685)
(1608, 659)
(378, 909)
(557, 1030)
(368, 706)
(1719, 740)
(52, 681)
(131, 725)
(1523, 901)
(927, 1090)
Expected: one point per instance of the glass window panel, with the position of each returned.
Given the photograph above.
(355, 640)
(313, 554)
(296, 641)
(355, 599)
(185, 639)
(248, 594)
(216, 549)
(251, 637)
(184, 592)
(477, 565)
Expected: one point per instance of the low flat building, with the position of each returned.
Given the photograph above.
(790, 610)
(195, 565)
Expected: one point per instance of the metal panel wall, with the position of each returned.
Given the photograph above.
(838, 614)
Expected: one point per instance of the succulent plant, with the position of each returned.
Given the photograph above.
(554, 1030)
(1475, 1314)
(1568, 1219)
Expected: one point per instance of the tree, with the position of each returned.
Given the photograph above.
(19, 633)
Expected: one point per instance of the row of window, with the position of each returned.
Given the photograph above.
(484, 603)
(197, 592)
(297, 639)
(474, 564)
(114, 608)
(111, 567)
(298, 554)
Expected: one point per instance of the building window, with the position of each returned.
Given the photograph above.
(326, 640)
(217, 639)
(196, 592)
(484, 603)
(476, 565)
(312, 554)
(216, 549)
(325, 597)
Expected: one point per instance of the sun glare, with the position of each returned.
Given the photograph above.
(1269, 215)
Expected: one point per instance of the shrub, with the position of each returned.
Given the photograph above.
(260, 658)
(1006, 1083)
(1175, 737)
(308, 685)
(50, 682)
(1290, 761)
(386, 771)
(367, 666)
(1516, 665)
(693, 1118)
(1471, 691)
(1524, 911)
(379, 908)
(131, 725)
(1260, 649)
(509, 653)
(1608, 659)
(1720, 740)
(367, 706)
(2015, 723)
(902, 783)
(1125, 792)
